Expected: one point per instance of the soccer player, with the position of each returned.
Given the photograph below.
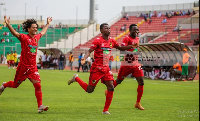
(15, 59)
(130, 65)
(8, 59)
(27, 67)
(102, 47)
(12, 58)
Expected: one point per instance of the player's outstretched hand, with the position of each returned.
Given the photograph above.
(49, 19)
(135, 45)
(7, 21)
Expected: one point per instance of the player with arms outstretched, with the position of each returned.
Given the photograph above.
(130, 64)
(27, 67)
(102, 47)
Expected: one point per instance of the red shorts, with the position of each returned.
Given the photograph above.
(8, 62)
(97, 73)
(23, 73)
(126, 70)
(12, 62)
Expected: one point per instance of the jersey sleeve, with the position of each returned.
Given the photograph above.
(95, 44)
(38, 36)
(124, 42)
(115, 44)
(21, 37)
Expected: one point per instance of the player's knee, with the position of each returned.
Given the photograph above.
(90, 91)
(119, 81)
(110, 88)
(141, 83)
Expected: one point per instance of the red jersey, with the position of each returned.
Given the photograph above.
(29, 47)
(102, 50)
(130, 59)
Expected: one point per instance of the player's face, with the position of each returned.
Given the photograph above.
(134, 31)
(105, 30)
(33, 29)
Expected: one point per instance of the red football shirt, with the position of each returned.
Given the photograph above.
(29, 47)
(130, 59)
(102, 50)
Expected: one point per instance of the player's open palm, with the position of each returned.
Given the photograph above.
(135, 45)
(49, 19)
(7, 20)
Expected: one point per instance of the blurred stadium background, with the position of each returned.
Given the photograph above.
(76, 36)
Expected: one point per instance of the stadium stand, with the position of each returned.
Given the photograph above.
(12, 43)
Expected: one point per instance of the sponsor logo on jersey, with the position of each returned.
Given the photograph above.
(111, 44)
(33, 48)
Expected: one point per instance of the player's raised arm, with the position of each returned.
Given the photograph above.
(14, 33)
(44, 30)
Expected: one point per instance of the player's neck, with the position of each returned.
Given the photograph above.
(132, 36)
(105, 37)
(31, 35)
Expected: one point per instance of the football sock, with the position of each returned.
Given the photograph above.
(140, 93)
(115, 83)
(10, 84)
(82, 83)
(38, 93)
(109, 97)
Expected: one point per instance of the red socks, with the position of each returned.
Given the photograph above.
(38, 93)
(82, 83)
(10, 84)
(140, 93)
(115, 83)
(109, 97)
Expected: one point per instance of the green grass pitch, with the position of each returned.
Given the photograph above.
(162, 100)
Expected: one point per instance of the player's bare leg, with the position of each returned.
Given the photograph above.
(2, 88)
(115, 83)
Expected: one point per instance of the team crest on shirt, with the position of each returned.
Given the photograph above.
(111, 44)
(102, 44)
(93, 81)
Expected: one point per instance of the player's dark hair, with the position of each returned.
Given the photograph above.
(101, 26)
(27, 24)
(132, 26)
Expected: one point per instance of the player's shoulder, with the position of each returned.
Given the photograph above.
(127, 37)
(97, 39)
(112, 39)
(22, 34)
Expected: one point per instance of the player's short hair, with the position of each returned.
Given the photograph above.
(101, 26)
(132, 26)
(27, 24)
